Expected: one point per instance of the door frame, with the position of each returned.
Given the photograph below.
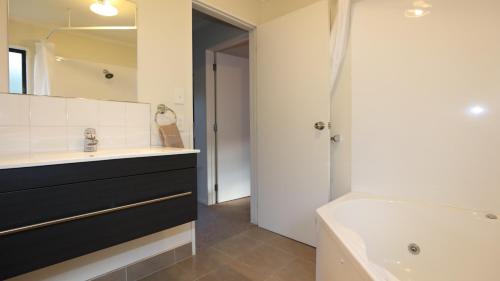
(252, 36)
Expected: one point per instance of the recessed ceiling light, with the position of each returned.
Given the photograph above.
(104, 8)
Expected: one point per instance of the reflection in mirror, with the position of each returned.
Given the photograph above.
(73, 48)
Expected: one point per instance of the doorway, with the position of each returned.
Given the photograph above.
(228, 101)
(221, 109)
(289, 98)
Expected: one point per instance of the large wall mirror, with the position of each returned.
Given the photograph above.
(73, 48)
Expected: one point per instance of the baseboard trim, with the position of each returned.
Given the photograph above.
(148, 266)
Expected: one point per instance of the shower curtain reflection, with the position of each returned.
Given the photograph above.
(43, 68)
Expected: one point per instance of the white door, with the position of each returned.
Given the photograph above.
(233, 127)
(293, 157)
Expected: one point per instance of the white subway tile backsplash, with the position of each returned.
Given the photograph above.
(48, 111)
(75, 138)
(138, 136)
(14, 110)
(111, 137)
(14, 140)
(155, 136)
(112, 113)
(48, 139)
(83, 112)
(48, 124)
(138, 115)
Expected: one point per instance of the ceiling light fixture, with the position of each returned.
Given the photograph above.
(416, 13)
(421, 4)
(420, 8)
(104, 8)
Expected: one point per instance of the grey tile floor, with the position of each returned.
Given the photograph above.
(230, 248)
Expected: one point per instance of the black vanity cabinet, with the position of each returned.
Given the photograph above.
(49, 214)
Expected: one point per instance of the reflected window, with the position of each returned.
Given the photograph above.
(17, 71)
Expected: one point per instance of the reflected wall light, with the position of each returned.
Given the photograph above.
(104, 8)
(477, 110)
(420, 9)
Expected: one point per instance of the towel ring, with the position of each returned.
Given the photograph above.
(162, 109)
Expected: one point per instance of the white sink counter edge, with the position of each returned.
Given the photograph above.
(54, 158)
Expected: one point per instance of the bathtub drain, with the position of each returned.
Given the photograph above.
(414, 249)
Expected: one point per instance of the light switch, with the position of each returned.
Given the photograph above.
(179, 96)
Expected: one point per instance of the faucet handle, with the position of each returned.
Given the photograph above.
(90, 133)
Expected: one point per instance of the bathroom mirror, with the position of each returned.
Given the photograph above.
(73, 48)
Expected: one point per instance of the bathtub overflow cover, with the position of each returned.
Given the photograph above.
(414, 249)
(491, 216)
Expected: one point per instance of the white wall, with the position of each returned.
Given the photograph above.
(4, 54)
(245, 10)
(341, 125)
(85, 79)
(271, 9)
(164, 60)
(413, 84)
(256, 12)
(203, 39)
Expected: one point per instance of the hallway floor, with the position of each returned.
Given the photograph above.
(230, 248)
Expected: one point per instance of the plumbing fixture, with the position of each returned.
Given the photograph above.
(91, 141)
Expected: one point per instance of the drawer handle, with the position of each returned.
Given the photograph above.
(92, 214)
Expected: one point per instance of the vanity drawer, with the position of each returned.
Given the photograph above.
(30, 250)
(23, 208)
(51, 175)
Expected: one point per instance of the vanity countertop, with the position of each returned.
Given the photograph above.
(54, 158)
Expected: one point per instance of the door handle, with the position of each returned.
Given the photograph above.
(320, 126)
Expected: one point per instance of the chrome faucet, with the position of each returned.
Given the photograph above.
(91, 140)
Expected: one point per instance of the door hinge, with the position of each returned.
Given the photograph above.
(215, 127)
(214, 67)
(216, 187)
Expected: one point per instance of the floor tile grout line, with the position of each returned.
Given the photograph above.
(232, 259)
(289, 252)
(280, 269)
(268, 242)
(230, 225)
(236, 259)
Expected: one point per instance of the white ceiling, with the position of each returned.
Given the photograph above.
(55, 13)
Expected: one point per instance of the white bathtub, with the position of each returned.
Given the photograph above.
(361, 237)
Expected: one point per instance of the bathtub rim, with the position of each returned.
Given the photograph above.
(361, 271)
(360, 261)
